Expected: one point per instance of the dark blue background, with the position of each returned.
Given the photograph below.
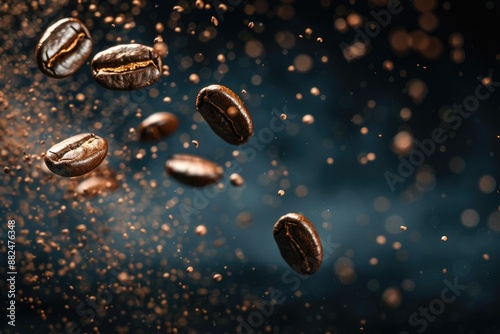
(346, 189)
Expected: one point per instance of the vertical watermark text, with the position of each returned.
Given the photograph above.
(11, 272)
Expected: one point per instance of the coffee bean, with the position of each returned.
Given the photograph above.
(126, 67)
(77, 155)
(96, 185)
(158, 125)
(236, 180)
(63, 48)
(225, 113)
(193, 170)
(298, 243)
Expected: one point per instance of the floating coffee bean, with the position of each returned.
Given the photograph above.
(298, 243)
(236, 180)
(63, 48)
(225, 113)
(193, 170)
(77, 155)
(126, 67)
(96, 185)
(158, 125)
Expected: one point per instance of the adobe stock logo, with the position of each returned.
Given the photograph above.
(256, 144)
(89, 309)
(436, 306)
(265, 308)
(372, 29)
(453, 119)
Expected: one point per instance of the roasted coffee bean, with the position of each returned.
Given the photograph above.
(298, 243)
(236, 180)
(225, 113)
(126, 67)
(96, 185)
(193, 170)
(63, 48)
(158, 125)
(77, 155)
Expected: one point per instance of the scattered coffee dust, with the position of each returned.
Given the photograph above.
(125, 248)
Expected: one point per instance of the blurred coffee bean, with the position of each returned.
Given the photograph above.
(126, 67)
(77, 155)
(96, 185)
(193, 170)
(158, 125)
(225, 113)
(63, 48)
(236, 180)
(298, 243)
